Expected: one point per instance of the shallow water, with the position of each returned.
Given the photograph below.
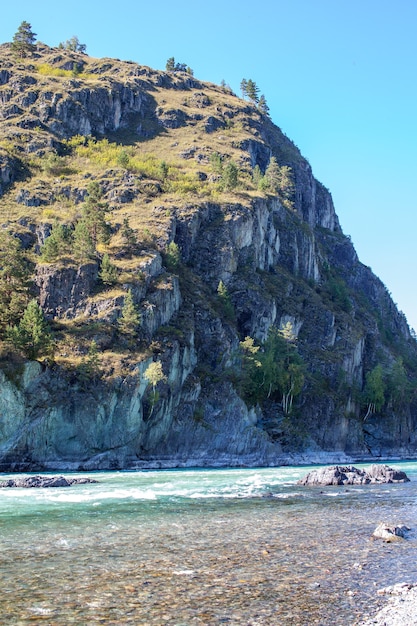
(201, 547)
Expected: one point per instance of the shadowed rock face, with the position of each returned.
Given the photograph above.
(349, 475)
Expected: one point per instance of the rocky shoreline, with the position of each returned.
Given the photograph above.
(401, 609)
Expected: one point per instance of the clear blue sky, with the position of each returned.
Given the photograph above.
(339, 77)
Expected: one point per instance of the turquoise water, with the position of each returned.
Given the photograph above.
(240, 546)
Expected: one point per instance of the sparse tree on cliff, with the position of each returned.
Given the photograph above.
(14, 280)
(129, 238)
(83, 246)
(170, 65)
(252, 91)
(129, 321)
(374, 391)
(275, 370)
(230, 176)
(108, 271)
(244, 87)
(94, 211)
(74, 45)
(226, 302)
(32, 335)
(23, 43)
(398, 385)
(154, 374)
(262, 105)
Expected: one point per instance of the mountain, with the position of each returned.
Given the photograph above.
(175, 286)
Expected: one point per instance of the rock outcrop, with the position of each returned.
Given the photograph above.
(349, 475)
(43, 482)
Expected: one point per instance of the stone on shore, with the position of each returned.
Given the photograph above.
(349, 475)
(390, 533)
(401, 609)
(45, 481)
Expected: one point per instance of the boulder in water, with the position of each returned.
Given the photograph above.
(349, 475)
(45, 481)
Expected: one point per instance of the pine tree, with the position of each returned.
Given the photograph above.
(128, 235)
(170, 65)
(108, 271)
(257, 176)
(252, 91)
(32, 335)
(273, 174)
(172, 256)
(244, 87)
(24, 40)
(94, 214)
(83, 246)
(226, 302)
(262, 105)
(56, 244)
(230, 176)
(129, 321)
(14, 280)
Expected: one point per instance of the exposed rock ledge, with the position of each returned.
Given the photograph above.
(45, 481)
(349, 475)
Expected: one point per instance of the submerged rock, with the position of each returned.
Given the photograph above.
(45, 481)
(349, 475)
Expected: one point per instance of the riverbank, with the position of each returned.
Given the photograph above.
(401, 609)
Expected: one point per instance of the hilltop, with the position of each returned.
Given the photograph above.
(195, 299)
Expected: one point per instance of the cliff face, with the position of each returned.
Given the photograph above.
(280, 260)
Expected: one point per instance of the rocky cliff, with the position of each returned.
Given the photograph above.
(208, 258)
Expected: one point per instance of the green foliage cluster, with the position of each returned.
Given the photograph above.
(129, 321)
(80, 241)
(225, 301)
(277, 180)
(15, 283)
(250, 90)
(172, 66)
(274, 370)
(55, 165)
(58, 244)
(389, 387)
(73, 45)
(172, 257)
(335, 289)
(227, 170)
(108, 272)
(154, 374)
(32, 335)
(129, 238)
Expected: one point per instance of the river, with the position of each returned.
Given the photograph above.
(201, 547)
